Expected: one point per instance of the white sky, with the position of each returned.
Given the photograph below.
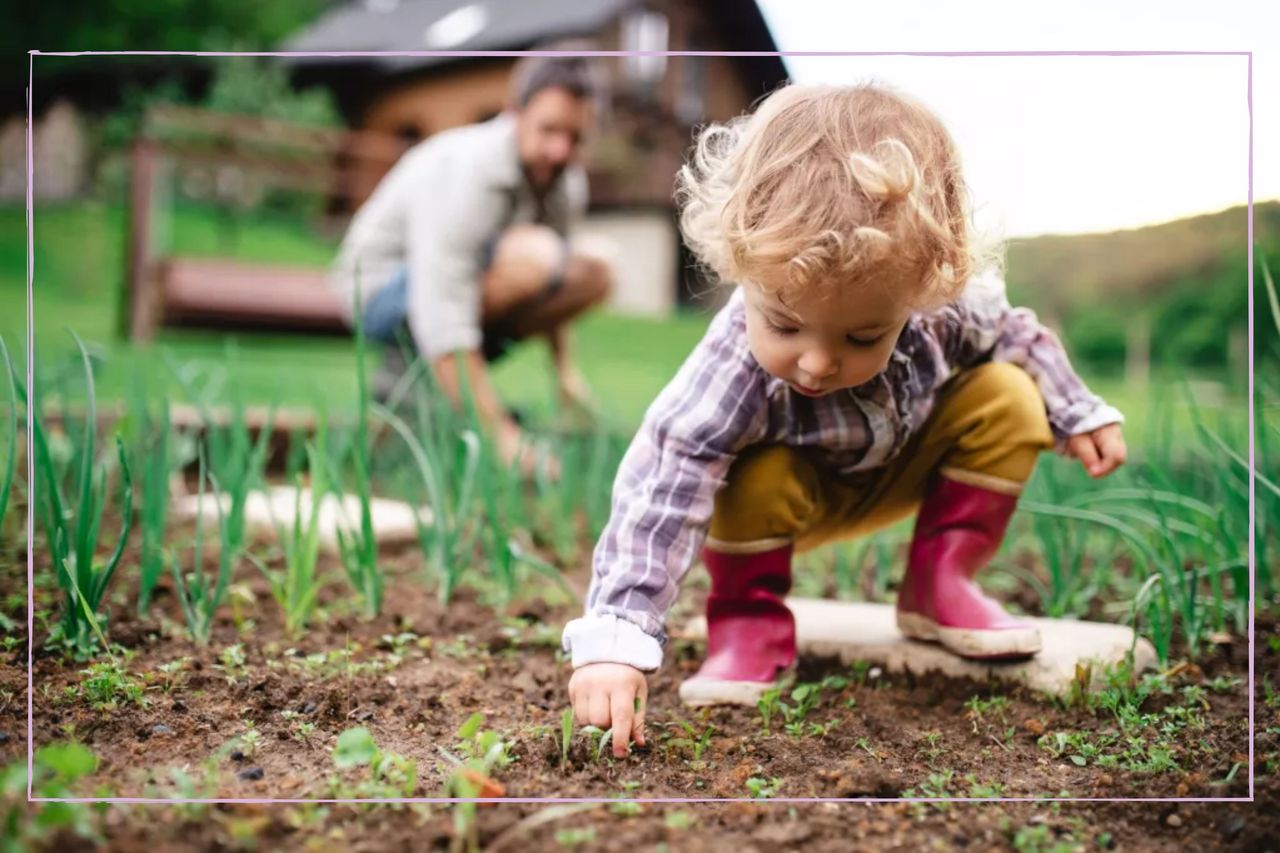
(1079, 143)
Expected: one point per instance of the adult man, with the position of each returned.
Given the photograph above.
(465, 240)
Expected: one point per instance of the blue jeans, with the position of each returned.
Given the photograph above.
(387, 313)
(388, 309)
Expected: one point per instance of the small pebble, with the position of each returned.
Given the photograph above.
(251, 774)
(161, 729)
(4, 737)
(179, 706)
(307, 708)
(1174, 821)
(237, 755)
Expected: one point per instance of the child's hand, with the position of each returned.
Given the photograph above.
(1101, 451)
(611, 694)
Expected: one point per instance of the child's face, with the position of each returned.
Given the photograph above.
(823, 344)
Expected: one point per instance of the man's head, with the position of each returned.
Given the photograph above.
(553, 98)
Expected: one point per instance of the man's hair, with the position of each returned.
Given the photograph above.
(577, 75)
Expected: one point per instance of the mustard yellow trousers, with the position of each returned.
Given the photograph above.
(987, 428)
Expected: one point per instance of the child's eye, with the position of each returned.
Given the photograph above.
(778, 330)
(863, 342)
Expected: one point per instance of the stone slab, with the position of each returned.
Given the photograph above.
(393, 521)
(854, 630)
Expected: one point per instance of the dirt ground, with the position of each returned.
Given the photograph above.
(414, 675)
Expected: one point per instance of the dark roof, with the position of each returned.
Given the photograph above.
(404, 24)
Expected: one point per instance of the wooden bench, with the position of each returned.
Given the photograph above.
(214, 293)
(338, 166)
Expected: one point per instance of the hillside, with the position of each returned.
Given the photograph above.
(1061, 272)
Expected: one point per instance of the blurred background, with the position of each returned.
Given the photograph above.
(164, 183)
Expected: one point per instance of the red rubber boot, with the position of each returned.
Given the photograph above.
(958, 531)
(751, 634)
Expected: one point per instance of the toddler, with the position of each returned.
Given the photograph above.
(867, 366)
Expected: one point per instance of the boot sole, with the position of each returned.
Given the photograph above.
(700, 692)
(972, 643)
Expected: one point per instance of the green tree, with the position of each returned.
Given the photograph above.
(144, 25)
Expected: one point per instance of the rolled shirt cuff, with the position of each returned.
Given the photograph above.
(1099, 417)
(607, 638)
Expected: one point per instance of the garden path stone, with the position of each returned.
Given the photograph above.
(854, 630)
(393, 522)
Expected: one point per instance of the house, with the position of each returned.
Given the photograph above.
(652, 106)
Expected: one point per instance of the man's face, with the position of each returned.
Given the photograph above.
(550, 130)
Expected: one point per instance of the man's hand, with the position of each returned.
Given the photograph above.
(1101, 451)
(575, 393)
(516, 448)
(611, 694)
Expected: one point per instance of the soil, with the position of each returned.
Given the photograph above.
(891, 736)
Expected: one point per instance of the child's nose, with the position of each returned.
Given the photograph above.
(818, 364)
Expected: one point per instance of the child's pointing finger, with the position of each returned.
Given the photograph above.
(622, 703)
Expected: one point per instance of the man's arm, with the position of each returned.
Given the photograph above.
(454, 369)
(572, 386)
(448, 221)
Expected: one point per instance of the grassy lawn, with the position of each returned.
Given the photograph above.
(79, 284)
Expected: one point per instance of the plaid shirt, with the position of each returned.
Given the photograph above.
(721, 401)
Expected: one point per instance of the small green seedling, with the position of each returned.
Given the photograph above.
(249, 741)
(297, 587)
(107, 685)
(485, 750)
(763, 789)
(390, 775)
(768, 706)
(605, 735)
(696, 743)
(566, 735)
(57, 767)
(232, 661)
(627, 809)
(200, 599)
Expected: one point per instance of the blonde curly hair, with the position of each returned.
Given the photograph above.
(826, 185)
